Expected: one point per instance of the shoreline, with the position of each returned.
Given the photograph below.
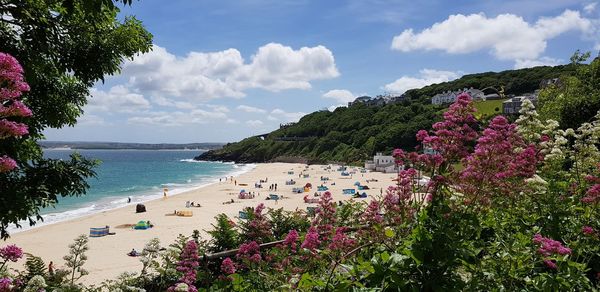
(145, 198)
(107, 255)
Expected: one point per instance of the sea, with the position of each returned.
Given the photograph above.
(140, 175)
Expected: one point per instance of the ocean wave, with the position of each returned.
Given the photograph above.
(110, 203)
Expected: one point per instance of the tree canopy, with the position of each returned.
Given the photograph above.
(64, 47)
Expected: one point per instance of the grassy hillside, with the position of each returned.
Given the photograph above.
(489, 107)
(353, 134)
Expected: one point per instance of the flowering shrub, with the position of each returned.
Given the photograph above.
(12, 86)
(187, 267)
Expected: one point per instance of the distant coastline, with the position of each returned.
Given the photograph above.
(63, 145)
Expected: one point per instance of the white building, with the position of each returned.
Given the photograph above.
(382, 163)
(450, 96)
(513, 105)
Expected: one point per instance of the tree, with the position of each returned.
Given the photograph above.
(64, 47)
(574, 99)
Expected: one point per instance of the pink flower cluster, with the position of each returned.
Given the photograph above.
(249, 251)
(372, 214)
(12, 86)
(588, 230)
(311, 240)
(6, 284)
(497, 162)
(258, 226)
(228, 266)
(7, 164)
(549, 246)
(11, 76)
(452, 136)
(592, 196)
(11, 253)
(291, 239)
(325, 214)
(340, 241)
(187, 265)
(12, 129)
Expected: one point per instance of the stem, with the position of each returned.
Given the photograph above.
(336, 263)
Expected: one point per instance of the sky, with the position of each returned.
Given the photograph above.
(222, 70)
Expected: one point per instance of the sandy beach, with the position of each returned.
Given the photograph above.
(107, 256)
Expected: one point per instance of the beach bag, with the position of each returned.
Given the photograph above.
(140, 208)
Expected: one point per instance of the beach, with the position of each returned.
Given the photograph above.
(107, 255)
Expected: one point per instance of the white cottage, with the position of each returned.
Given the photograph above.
(382, 163)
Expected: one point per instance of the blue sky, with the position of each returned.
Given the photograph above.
(224, 70)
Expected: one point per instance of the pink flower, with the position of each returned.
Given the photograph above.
(373, 213)
(187, 266)
(6, 284)
(340, 242)
(311, 240)
(11, 253)
(15, 109)
(11, 78)
(227, 266)
(587, 230)
(592, 195)
(549, 246)
(249, 251)
(10, 128)
(7, 164)
(291, 239)
(550, 264)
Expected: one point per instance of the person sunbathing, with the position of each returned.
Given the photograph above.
(133, 253)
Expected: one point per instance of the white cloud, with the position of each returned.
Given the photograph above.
(254, 123)
(162, 101)
(543, 61)
(91, 120)
(251, 109)
(117, 99)
(204, 76)
(590, 7)
(507, 36)
(286, 116)
(333, 107)
(178, 118)
(426, 77)
(340, 95)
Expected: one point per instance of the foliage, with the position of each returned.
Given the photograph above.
(35, 266)
(69, 46)
(223, 236)
(575, 99)
(76, 258)
(354, 134)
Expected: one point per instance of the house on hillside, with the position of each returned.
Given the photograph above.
(450, 96)
(548, 82)
(361, 99)
(513, 106)
(382, 163)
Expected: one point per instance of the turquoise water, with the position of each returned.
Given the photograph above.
(138, 174)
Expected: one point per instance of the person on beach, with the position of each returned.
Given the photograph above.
(51, 268)
(133, 253)
(128, 200)
(165, 190)
(235, 182)
(275, 187)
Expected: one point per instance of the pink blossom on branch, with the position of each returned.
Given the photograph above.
(7, 164)
(11, 253)
(10, 129)
(11, 78)
(15, 109)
